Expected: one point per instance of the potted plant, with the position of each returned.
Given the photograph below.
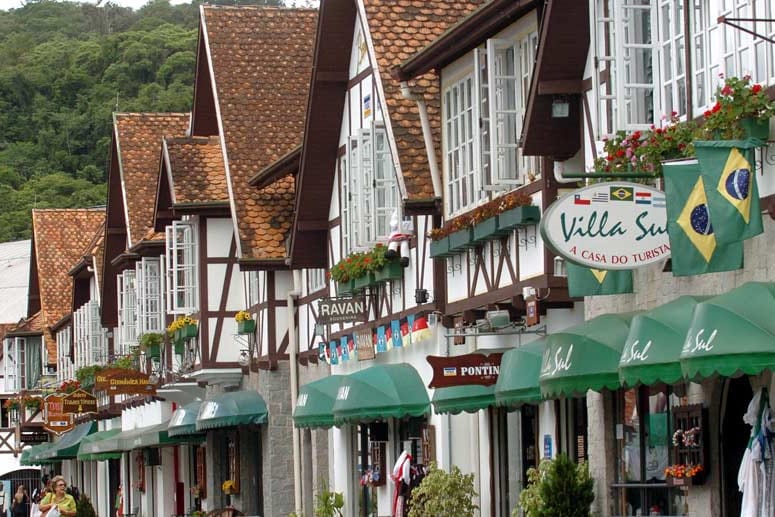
(86, 375)
(328, 503)
(11, 404)
(742, 110)
(385, 269)
(245, 322)
(33, 403)
(516, 209)
(150, 343)
(444, 493)
(341, 274)
(69, 386)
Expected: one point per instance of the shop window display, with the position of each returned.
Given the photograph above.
(643, 453)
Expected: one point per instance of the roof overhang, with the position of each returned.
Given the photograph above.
(288, 164)
(469, 33)
(124, 261)
(148, 248)
(247, 264)
(62, 323)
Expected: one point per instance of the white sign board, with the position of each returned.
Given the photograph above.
(610, 225)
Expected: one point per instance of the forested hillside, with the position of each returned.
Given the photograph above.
(64, 68)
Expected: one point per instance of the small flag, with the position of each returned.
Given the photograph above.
(334, 354)
(381, 341)
(693, 245)
(584, 281)
(600, 197)
(577, 200)
(621, 193)
(658, 202)
(410, 324)
(395, 332)
(450, 371)
(730, 186)
(345, 348)
(643, 198)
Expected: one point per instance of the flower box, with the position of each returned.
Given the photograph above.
(392, 270)
(487, 230)
(440, 248)
(363, 282)
(756, 128)
(344, 287)
(461, 240)
(246, 326)
(188, 331)
(519, 216)
(179, 347)
(153, 351)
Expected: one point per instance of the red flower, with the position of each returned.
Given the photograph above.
(707, 114)
(716, 107)
(610, 158)
(619, 153)
(756, 88)
(636, 135)
(727, 90)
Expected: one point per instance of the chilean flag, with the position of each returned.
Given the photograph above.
(578, 201)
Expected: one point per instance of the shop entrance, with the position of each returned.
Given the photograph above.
(733, 440)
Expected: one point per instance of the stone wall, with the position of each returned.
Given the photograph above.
(653, 287)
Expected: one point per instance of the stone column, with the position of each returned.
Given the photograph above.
(276, 442)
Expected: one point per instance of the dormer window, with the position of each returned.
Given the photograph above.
(127, 308)
(88, 335)
(182, 284)
(369, 189)
(483, 112)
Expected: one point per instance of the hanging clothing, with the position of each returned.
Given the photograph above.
(401, 474)
(756, 477)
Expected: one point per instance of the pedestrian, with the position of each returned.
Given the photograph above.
(20, 507)
(58, 503)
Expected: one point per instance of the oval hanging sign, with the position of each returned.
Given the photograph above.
(618, 225)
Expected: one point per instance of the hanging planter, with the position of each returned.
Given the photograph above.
(246, 326)
(363, 282)
(392, 270)
(488, 230)
(756, 128)
(519, 216)
(345, 287)
(180, 347)
(150, 343)
(189, 330)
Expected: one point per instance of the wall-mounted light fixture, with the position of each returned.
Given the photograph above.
(420, 296)
(560, 268)
(560, 106)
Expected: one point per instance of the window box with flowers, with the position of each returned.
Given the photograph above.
(32, 403)
(363, 269)
(150, 343)
(183, 328)
(742, 110)
(69, 387)
(11, 404)
(245, 323)
(385, 269)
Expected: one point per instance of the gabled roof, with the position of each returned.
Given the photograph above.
(138, 137)
(59, 238)
(194, 166)
(260, 62)
(398, 30)
(395, 31)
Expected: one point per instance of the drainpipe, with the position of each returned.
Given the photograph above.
(427, 136)
(293, 344)
(559, 169)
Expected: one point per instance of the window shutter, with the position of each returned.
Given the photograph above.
(367, 185)
(385, 190)
(503, 91)
(121, 308)
(352, 199)
(481, 113)
(182, 267)
(168, 270)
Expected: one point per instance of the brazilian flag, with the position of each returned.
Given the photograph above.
(693, 245)
(729, 177)
(584, 281)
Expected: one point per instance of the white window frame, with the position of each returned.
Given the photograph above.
(127, 308)
(254, 286)
(11, 366)
(64, 361)
(316, 279)
(483, 114)
(369, 189)
(182, 267)
(150, 301)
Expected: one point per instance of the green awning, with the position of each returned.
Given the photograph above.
(150, 436)
(183, 420)
(315, 404)
(518, 379)
(30, 455)
(67, 446)
(85, 452)
(469, 398)
(653, 347)
(380, 392)
(231, 409)
(732, 334)
(584, 357)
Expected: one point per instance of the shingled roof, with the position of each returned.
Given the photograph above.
(398, 30)
(138, 138)
(196, 167)
(261, 60)
(59, 238)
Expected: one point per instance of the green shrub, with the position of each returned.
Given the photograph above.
(84, 508)
(559, 488)
(327, 503)
(442, 493)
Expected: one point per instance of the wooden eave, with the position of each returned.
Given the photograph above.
(559, 71)
(422, 207)
(63, 322)
(24, 333)
(206, 208)
(124, 261)
(33, 294)
(148, 248)
(204, 117)
(325, 107)
(115, 238)
(81, 268)
(287, 164)
(467, 34)
(250, 264)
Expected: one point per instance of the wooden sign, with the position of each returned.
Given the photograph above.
(365, 344)
(460, 370)
(341, 310)
(117, 381)
(55, 420)
(79, 402)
